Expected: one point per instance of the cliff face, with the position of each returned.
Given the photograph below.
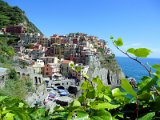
(109, 75)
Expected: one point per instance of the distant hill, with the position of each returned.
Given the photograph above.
(13, 15)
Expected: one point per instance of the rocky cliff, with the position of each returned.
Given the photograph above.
(106, 68)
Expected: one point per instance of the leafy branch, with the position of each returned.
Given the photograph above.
(138, 53)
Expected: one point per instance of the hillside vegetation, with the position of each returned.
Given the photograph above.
(13, 16)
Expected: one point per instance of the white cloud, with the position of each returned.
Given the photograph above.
(132, 45)
(135, 45)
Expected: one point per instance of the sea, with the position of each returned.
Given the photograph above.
(133, 69)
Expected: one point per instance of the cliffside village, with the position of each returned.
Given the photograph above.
(47, 60)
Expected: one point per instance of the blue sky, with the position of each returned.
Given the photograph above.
(136, 21)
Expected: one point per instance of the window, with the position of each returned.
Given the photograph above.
(40, 80)
(2, 77)
(36, 80)
(57, 84)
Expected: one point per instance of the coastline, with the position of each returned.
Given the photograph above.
(133, 69)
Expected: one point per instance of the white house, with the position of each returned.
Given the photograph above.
(37, 66)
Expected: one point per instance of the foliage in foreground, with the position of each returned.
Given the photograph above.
(16, 86)
(99, 102)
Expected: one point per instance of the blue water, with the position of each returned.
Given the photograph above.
(133, 69)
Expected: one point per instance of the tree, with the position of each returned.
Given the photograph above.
(6, 52)
(15, 86)
(12, 75)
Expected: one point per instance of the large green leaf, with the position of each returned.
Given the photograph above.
(96, 118)
(118, 42)
(157, 73)
(73, 113)
(131, 50)
(107, 98)
(59, 116)
(102, 95)
(145, 81)
(21, 104)
(148, 116)
(21, 114)
(8, 116)
(82, 98)
(106, 90)
(39, 113)
(155, 106)
(85, 85)
(145, 96)
(101, 115)
(116, 92)
(81, 115)
(3, 98)
(111, 37)
(127, 87)
(158, 83)
(142, 52)
(105, 105)
(76, 103)
(156, 66)
(97, 80)
(147, 86)
(91, 93)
